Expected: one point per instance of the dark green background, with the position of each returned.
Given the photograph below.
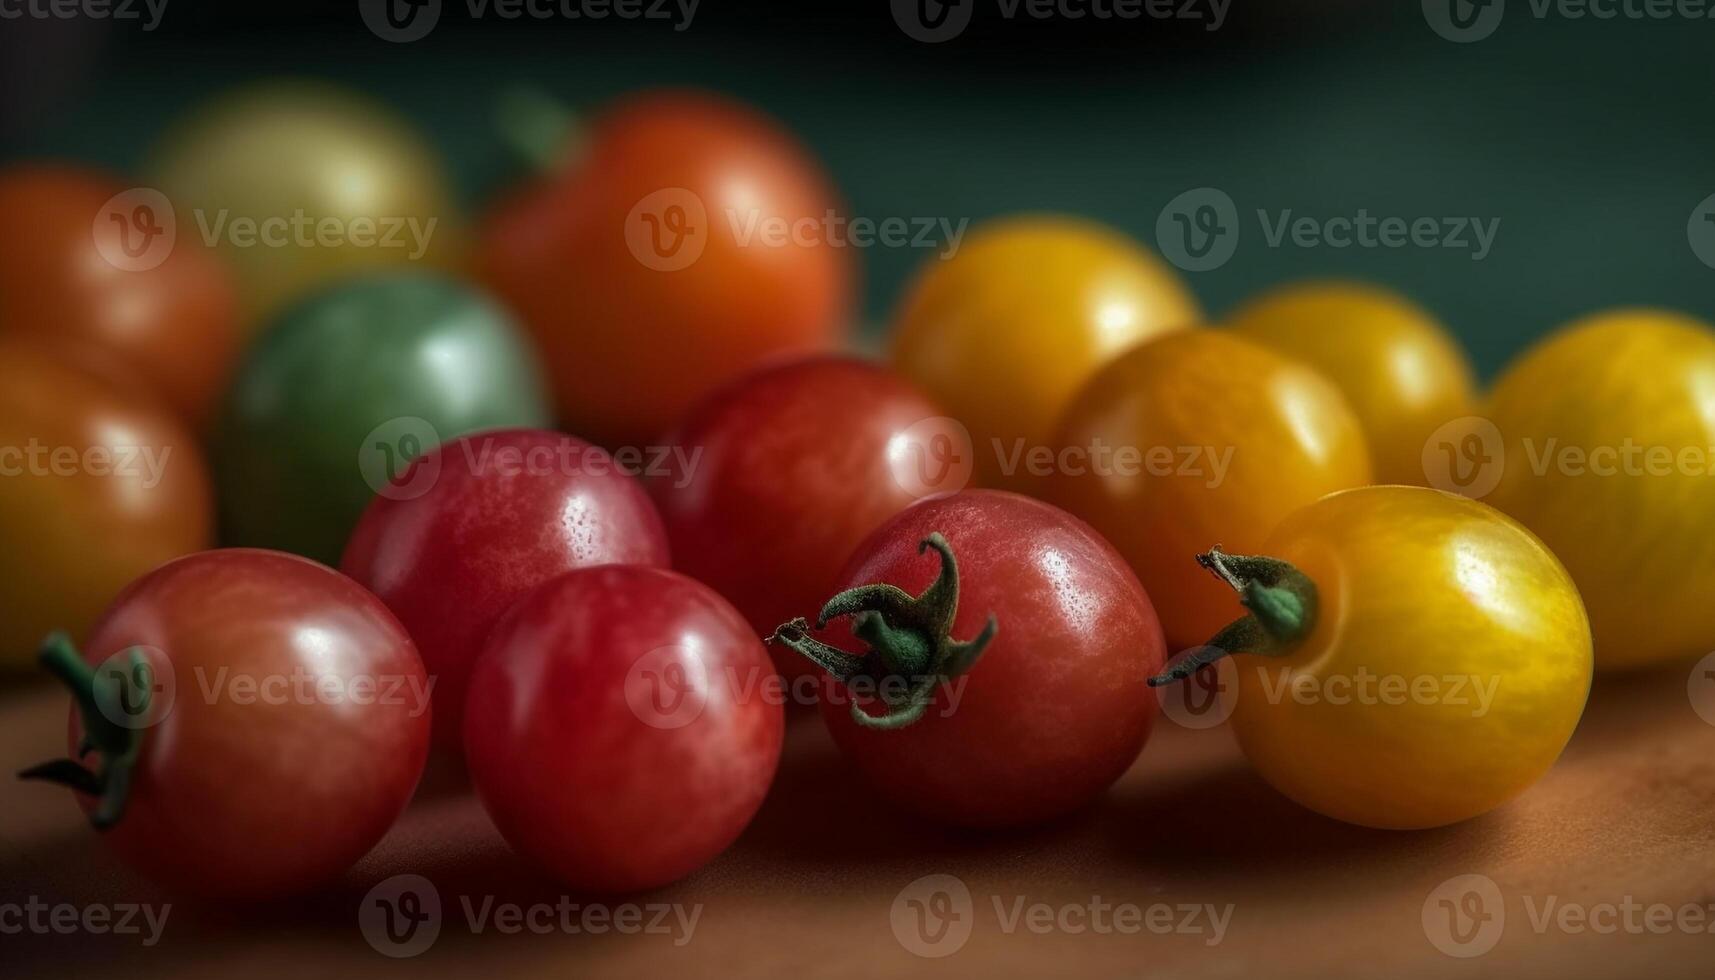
(1590, 140)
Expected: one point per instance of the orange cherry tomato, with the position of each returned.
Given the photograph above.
(176, 324)
(97, 486)
(1005, 331)
(1402, 372)
(650, 269)
(1201, 438)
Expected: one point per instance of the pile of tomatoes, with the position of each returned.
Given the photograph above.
(547, 494)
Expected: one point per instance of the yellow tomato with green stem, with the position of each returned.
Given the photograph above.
(1405, 658)
(1400, 369)
(1006, 330)
(1605, 438)
(1195, 438)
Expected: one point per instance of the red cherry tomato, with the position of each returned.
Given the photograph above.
(649, 269)
(1055, 706)
(472, 526)
(783, 472)
(176, 323)
(619, 729)
(276, 715)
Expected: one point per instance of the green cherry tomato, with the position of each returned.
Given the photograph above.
(347, 387)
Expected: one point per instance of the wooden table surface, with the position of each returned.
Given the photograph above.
(1190, 867)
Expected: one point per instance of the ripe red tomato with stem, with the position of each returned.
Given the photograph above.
(994, 662)
(473, 525)
(784, 472)
(645, 263)
(246, 724)
(621, 727)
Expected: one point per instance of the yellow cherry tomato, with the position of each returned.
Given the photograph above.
(1196, 438)
(1606, 438)
(1438, 671)
(1005, 331)
(1397, 366)
(302, 183)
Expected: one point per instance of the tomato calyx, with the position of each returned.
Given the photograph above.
(1282, 604)
(911, 648)
(100, 695)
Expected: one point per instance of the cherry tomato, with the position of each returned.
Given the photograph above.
(175, 323)
(619, 728)
(1005, 331)
(1399, 369)
(1419, 657)
(301, 184)
(650, 271)
(338, 396)
(475, 524)
(258, 722)
(784, 471)
(1006, 683)
(1604, 445)
(1201, 438)
(97, 486)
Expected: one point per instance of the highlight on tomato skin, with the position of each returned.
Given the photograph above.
(1053, 641)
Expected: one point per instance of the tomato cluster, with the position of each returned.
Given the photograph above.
(993, 550)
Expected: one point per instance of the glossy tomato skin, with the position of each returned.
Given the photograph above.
(502, 512)
(1466, 614)
(630, 343)
(785, 471)
(278, 150)
(1227, 438)
(1006, 330)
(347, 386)
(1057, 707)
(99, 483)
(177, 324)
(251, 784)
(1601, 447)
(619, 728)
(1403, 374)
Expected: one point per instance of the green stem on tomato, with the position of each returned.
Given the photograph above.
(910, 652)
(1282, 611)
(118, 746)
